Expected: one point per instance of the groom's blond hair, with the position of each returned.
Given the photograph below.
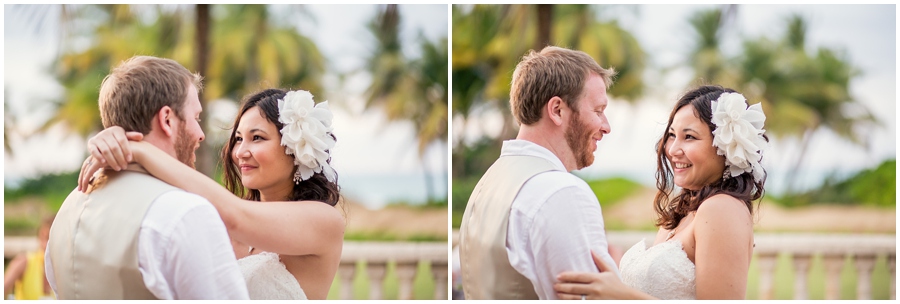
(554, 71)
(135, 90)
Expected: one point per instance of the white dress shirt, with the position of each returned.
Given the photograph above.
(184, 251)
(554, 223)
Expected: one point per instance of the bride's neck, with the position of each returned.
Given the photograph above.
(276, 193)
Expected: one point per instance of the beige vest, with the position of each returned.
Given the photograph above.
(94, 238)
(486, 271)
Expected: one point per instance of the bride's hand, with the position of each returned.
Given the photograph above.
(594, 286)
(109, 148)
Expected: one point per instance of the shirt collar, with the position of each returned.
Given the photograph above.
(526, 148)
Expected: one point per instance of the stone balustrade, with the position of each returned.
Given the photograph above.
(863, 249)
(406, 257)
(376, 255)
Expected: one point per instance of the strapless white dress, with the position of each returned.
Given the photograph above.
(663, 271)
(268, 279)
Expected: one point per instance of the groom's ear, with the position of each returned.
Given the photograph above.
(554, 109)
(165, 121)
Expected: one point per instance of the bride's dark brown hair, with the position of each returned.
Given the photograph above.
(670, 210)
(315, 188)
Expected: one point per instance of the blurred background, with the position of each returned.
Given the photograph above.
(826, 78)
(383, 69)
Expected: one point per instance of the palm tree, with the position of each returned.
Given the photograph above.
(706, 57)
(119, 35)
(607, 42)
(9, 126)
(279, 56)
(411, 90)
(251, 51)
(201, 60)
(802, 93)
(488, 43)
(473, 68)
(489, 40)
(545, 25)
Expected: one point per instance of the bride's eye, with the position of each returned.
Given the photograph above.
(670, 135)
(257, 137)
(238, 139)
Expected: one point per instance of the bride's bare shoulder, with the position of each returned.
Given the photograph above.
(722, 205)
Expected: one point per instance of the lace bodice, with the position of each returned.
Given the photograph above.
(268, 279)
(663, 271)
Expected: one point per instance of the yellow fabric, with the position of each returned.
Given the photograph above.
(31, 285)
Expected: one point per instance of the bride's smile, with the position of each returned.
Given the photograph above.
(690, 151)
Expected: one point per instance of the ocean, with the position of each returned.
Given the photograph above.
(378, 190)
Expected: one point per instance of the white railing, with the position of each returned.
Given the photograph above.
(406, 256)
(863, 249)
(376, 255)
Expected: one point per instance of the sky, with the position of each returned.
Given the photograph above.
(866, 32)
(368, 146)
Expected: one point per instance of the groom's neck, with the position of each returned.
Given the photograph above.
(552, 139)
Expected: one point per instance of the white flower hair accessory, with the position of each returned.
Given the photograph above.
(306, 134)
(739, 134)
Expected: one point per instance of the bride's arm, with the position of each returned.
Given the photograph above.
(595, 286)
(723, 230)
(291, 228)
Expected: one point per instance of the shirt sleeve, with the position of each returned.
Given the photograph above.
(185, 252)
(48, 270)
(565, 230)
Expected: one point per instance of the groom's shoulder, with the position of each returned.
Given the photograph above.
(558, 180)
(177, 203)
(560, 185)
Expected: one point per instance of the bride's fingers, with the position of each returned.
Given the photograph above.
(122, 142)
(91, 165)
(111, 151)
(598, 261)
(96, 145)
(118, 145)
(571, 289)
(575, 277)
(135, 136)
(81, 174)
(566, 296)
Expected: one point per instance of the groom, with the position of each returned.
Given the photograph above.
(528, 218)
(132, 236)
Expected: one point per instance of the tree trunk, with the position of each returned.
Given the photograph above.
(545, 26)
(252, 78)
(206, 155)
(429, 191)
(792, 175)
(458, 169)
(446, 174)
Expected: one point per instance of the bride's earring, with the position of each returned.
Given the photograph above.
(297, 176)
(725, 174)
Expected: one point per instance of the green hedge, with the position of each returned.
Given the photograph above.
(609, 191)
(870, 187)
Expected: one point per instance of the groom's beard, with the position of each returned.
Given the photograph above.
(184, 147)
(578, 137)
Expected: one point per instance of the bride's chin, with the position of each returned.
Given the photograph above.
(248, 185)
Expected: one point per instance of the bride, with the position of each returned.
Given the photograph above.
(711, 149)
(286, 232)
